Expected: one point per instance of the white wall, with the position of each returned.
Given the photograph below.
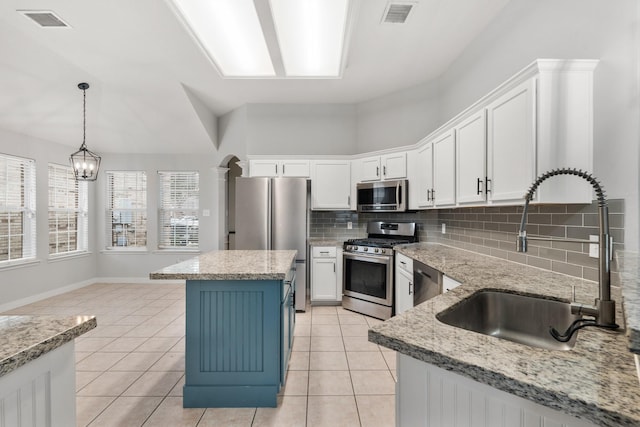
(592, 29)
(46, 276)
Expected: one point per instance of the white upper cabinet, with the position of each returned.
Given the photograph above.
(279, 168)
(331, 185)
(423, 186)
(444, 170)
(471, 149)
(388, 166)
(511, 148)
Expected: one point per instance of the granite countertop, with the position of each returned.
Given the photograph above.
(317, 241)
(231, 265)
(628, 264)
(25, 338)
(595, 381)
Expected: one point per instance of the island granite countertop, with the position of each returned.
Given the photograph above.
(25, 338)
(231, 265)
(595, 381)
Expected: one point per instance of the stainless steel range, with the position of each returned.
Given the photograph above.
(368, 267)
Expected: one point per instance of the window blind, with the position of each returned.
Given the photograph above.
(68, 211)
(178, 210)
(17, 209)
(126, 215)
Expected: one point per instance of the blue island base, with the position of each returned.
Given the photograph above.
(200, 396)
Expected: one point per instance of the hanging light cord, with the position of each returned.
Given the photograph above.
(84, 118)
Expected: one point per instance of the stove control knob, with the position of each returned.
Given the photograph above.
(365, 249)
(377, 250)
(383, 251)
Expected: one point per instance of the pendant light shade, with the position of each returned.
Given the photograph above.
(85, 163)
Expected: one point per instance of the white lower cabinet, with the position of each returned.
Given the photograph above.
(326, 274)
(404, 283)
(430, 396)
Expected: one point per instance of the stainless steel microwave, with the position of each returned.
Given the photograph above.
(383, 196)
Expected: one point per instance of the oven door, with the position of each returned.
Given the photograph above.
(368, 277)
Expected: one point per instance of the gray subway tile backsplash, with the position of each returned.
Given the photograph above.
(492, 231)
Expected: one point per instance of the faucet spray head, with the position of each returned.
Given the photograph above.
(521, 242)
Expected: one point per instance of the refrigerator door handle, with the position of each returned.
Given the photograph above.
(269, 226)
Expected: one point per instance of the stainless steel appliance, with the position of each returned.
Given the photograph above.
(427, 282)
(383, 196)
(271, 213)
(368, 268)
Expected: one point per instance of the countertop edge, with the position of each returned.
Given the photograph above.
(33, 352)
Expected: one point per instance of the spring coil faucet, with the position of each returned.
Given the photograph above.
(604, 309)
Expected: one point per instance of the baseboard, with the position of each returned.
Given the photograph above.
(52, 293)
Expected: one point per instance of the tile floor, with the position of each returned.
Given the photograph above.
(130, 369)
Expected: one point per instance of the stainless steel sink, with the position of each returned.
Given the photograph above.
(524, 319)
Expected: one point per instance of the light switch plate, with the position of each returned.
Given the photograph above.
(349, 225)
(444, 228)
(206, 212)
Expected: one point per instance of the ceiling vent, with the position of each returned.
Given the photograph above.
(44, 18)
(397, 12)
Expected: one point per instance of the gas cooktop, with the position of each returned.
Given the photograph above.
(378, 242)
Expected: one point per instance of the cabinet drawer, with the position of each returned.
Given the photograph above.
(324, 251)
(404, 263)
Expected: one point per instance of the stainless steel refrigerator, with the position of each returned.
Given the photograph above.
(271, 213)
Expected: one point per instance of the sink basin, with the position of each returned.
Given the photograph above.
(524, 319)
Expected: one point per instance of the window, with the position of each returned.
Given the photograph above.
(17, 209)
(126, 209)
(179, 200)
(68, 211)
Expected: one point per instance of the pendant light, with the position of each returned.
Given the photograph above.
(84, 162)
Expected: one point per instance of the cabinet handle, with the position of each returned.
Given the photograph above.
(282, 169)
(276, 169)
(478, 187)
(428, 195)
(487, 190)
(384, 170)
(403, 263)
(410, 286)
(349, 200)
(334, 267)
(324, 252)
(377, 170)
(433, 195)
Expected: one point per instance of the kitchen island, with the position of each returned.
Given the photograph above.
(37, 369)
(239, 326)
(467, 375)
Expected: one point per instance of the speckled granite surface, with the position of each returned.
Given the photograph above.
(231, 265)
(628, 264)
(595, 381)
(325, 242)
(25, 338)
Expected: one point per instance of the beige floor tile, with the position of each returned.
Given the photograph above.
(148, 311)
(330, 383)
(373, 382)
(354, 330)
(179, 347)
(352, 319)
(301, 344)
(158, 344)
(366, 361)
(100, 361)
(327, 344)
(169, 362)
(85, 377)
(332, 411)
(81, 355)
(109, 384)
(127, 411)
(372, 321)
(323, 309)
(177, 389)
(136, 361)
(133, 320)
(299, 361)
(390, 358)
(154, 384)
(89, 407)
(376, 411)
(303, 318)
(325, 319)
(92, 344)
(328, 361)
(123, 344)
(107, 331)
(171, 413)
(302, 330)
(290, 412)
(325, 330)
(172, 330)
(146, 330)
(227, 417)
(297, 383)
(359, 344)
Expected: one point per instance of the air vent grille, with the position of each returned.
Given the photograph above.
(44, 18)
(397, 13)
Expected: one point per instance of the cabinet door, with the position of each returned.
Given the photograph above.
(268, 168)
(511, 143)
(295, 168)
(471, 159)
(394, 166)
(323, 280)
(448, 283)
(404, 291)
(370, 169)
(425, 176)
(331, 184)
(444, 170)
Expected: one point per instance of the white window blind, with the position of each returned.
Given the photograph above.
(17, 209)
(126, 209)
(178, 210)
(68, 211)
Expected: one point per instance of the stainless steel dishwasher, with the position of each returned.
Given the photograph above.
(427, 282)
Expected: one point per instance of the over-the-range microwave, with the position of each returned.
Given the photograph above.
(382, 196)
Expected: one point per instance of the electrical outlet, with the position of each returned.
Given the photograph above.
(349, 225)
(444, 228)
(593, 247)
(206, 212)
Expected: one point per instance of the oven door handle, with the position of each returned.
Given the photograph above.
(379, 259)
